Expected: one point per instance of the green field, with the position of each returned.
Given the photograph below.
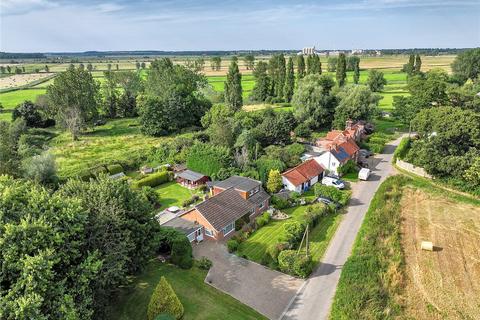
(117, 141)
(201, 301)
(11, 99)
(255, 247)
(6, 116)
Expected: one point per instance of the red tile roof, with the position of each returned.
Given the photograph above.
(303, 172)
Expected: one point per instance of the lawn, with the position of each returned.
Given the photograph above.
(11, 99)
(173, 194)
(254, 248)
(117, 141)
(201, 301)
(386, 103)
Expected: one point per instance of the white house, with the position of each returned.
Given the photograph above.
(330, 161)
(303, 176)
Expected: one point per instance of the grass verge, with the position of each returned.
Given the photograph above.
(372, 277)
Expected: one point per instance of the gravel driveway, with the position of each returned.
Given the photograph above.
(263, 289)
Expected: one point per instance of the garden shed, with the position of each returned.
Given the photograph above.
(191, 179)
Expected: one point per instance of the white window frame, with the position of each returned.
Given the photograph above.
(232, 225)
(209, 233)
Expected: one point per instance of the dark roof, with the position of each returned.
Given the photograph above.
(340, 154)
(259, 197)
(190, 175)
(182, 225)
(223, 208)
(239, 183)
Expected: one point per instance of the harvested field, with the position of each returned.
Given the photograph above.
(18, 80)
(444, 284)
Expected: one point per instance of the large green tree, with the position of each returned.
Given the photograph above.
(314, 102)
(262, 88)
(233, 87)
(74, 97)
(219, 124)
(467, 65)
(376, 81)
(356, 103)
(341, 72)
(10, 157)
(277, 72)
(300, 67)
(172, 99)
(289, 81)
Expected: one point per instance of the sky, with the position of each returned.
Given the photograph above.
(87, 25)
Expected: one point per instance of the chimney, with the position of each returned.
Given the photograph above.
(349, 124)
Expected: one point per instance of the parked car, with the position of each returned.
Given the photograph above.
(363, 164)
(365, 153)
(329, 181)
(328, 202)
(332, 175)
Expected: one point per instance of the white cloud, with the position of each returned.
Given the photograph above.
(12, 7)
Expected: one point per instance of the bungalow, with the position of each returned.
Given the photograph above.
(191, 179)
(233, 199)
(303, 176)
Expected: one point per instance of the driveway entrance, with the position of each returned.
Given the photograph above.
(265, 290)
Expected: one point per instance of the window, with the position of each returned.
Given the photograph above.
(229, 228)
(209, 232)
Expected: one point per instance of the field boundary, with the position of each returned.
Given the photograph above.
(29, 85)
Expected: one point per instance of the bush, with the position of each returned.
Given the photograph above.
(279, 203)
(293, 232)
(232, 245)
(114, 169)
(262, 220)
(151, 195)
(208, 159)
(153, 180)
(40, 168)
(29, 112)
(181, 254)
(204, 263)
(165, 316)
(164, 300)
(96, 171)
(402, 149)
(302, 131)
(190, 201)
(342, 197)
(286, 260)
(313, 213)
(303, 266)
(348, 167)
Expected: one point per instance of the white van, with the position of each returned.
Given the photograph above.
(363, 174)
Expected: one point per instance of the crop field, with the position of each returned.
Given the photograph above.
(444, 284)
(18, 80)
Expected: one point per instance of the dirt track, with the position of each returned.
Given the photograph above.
(444, 284)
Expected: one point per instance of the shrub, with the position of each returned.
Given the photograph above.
(303, 265)
(164, 300)
(29, 112)
(294, 232)
(165, 316)
(262, 220)
(274, 250)
(286, 261)
(208, 159)
(348, 167)
(333, 193)
(40, 168)
(402, 149)
(151, 195)
(303, 131)
(153, 180)
(190, 201)
(232, 245)
(313, 213)
(279, 203)
(204, 263)
(114, 169)
(181, 254)
(96, 171)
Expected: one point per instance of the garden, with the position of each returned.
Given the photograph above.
(279, 243)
